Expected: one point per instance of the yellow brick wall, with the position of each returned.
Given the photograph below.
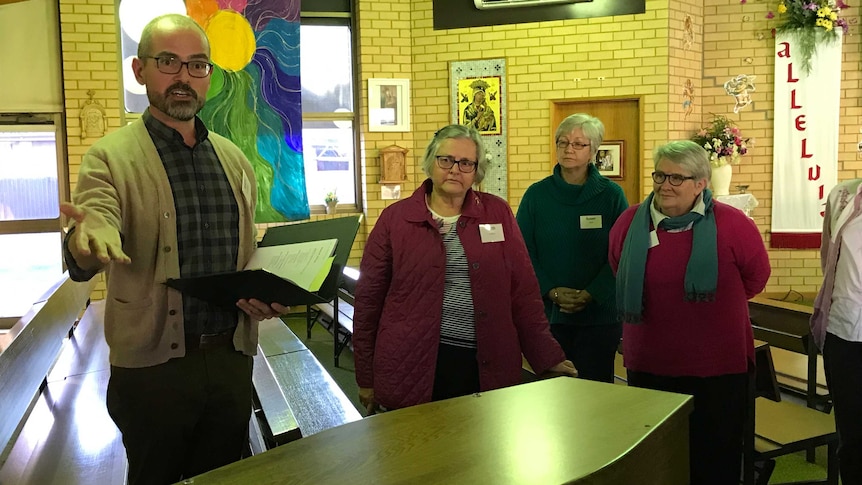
(88, 35)
(386, 50)
(638, 55)
(685, 62)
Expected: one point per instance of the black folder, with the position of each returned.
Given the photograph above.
(224, 289)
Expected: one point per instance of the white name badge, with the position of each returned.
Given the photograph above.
(491, 233)
(591, 222)
(246, 187)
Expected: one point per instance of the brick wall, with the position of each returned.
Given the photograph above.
(89, 44)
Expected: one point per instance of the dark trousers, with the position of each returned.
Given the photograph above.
(457, 372)
(715, 426)
(591, 348)
(842, 361)
(184, 417)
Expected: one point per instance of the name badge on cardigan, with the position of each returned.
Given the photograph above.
(591, 222)
(246, 187)
(491, 233)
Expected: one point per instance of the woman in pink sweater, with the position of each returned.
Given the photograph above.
(686, 266)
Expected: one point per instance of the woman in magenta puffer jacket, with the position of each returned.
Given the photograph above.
(447, 300)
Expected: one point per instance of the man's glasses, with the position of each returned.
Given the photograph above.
(446, 162)
(563, 144)
(675, 179)
(172, 65)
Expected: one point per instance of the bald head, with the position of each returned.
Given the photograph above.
(165, 24)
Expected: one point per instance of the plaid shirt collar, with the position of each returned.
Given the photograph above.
(170, 135)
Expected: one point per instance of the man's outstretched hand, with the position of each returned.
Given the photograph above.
(94, 239)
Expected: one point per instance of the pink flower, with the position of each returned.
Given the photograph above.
(770, 15)
(840, 5)
(843, 24)
(743, 1)
(811, 6)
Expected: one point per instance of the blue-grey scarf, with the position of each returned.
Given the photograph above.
(701, 274)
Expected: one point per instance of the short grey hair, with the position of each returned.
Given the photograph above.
(688, 155)
(454, 132)
(592, 127)
(165, 22)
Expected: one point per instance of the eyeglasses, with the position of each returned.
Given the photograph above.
(446, 162)
(172, 65)
(563, 144)
(675, 179)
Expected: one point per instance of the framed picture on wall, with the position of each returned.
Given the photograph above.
(388, 105)
(479, 104)
(610, 159)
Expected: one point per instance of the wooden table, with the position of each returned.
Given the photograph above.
(558, 430)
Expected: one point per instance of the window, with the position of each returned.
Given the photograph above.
(30, 182)
(328, 118)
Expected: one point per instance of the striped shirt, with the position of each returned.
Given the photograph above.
(207, 218)
(457, 327)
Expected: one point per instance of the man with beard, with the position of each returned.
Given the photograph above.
(165, 198)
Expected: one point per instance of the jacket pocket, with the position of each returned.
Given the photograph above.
(130, 325)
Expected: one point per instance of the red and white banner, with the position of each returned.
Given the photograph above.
(805, 149)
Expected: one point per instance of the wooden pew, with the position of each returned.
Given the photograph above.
(314, 399)
(275, 421)
(785, 326)
(68, 437)
(30, 349)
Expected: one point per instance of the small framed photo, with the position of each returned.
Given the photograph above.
(610, 159)
(388, 105)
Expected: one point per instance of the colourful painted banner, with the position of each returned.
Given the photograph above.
(805, 148)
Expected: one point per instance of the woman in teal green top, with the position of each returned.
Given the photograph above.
(565, 219)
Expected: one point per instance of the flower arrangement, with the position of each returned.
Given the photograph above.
(811, 22)
(723, 141)
(331, 198)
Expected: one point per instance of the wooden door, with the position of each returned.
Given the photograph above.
(622, 120)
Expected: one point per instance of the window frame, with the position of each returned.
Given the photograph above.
(339, 18)
(40, 225)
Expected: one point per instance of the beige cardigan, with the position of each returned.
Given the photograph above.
(124, 180)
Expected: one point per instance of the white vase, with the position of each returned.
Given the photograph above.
(721, 179)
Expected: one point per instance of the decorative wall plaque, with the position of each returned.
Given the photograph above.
(92, 118)
(393, 168)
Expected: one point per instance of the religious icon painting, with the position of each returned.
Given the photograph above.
(479, 104)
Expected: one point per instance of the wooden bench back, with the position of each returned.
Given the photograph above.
(785, 326)
(782, 324)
